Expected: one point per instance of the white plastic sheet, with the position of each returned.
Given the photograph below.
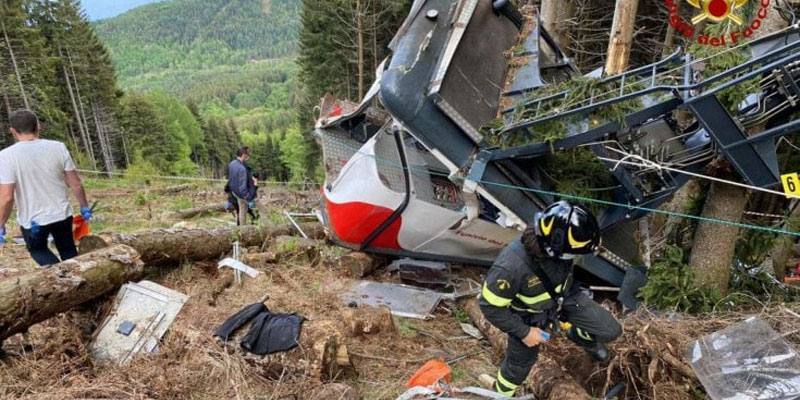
(746, 361)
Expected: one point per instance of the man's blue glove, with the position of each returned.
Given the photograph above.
(251, 205)
(35, 228)
(228, 205)
(86, 213)
(2, 235)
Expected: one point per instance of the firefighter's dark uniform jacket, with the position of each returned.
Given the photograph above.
(513, 299)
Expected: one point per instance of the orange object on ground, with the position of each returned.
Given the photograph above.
(430, 374)
(80, 228)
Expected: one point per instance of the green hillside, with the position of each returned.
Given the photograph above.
(200, 34)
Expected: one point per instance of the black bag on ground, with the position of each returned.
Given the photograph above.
(272, 333)
(238, 320)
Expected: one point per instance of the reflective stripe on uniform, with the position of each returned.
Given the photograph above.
(494, 299)
(498, 387)
(533, 300)
(583, 334)
(527, 310)
(503, 386)
(540, 298)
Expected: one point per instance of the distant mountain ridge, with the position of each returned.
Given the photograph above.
(200, 34)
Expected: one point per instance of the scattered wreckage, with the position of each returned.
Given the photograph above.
(412, 170)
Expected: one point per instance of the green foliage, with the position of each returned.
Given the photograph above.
(293, 154)
(141, 199)
(669, 286)
(561, 97)
(225, 60)
(578, 172)
(62, 72)
(721, 59)
(328, 66)
(406, 327)
(197, 34)
(460, 315)
(140, 170)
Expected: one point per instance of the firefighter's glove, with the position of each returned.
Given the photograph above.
(2, 235)
(86, 213)
(251, 204)
(535, 337)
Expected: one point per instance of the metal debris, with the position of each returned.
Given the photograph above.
(141, 315)
(402, 300)
(746, 361)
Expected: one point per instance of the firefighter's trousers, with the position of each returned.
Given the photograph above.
(590, 323)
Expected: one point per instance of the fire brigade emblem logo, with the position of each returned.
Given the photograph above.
(503, 284)
(533, 281)
(717, 10)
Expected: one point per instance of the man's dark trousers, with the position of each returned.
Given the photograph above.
(593, 321)
(62, 237)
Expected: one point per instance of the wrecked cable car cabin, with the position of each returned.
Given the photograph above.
(414, 171)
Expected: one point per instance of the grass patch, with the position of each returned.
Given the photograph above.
(460, 315)
(182, 203)
(406, 328)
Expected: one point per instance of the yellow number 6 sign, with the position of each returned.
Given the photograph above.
(791, 185)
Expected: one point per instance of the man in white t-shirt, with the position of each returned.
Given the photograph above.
(37, 174)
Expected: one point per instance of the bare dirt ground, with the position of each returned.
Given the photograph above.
(53, 361)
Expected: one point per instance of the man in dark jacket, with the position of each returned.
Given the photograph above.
(242, 184)
(530, 288)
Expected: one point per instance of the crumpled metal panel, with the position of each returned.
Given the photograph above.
(150, 307)
(402, 300)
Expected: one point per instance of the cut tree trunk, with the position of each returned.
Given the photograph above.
(547, 380)
(715, 243)
(257, 260)
(175, 245)
(781, 251)
(358, 264)
(361, 321)
(14, 65)
(35, 296)
(193, 212)
(619, 45)
(556, 17)
(91, 243)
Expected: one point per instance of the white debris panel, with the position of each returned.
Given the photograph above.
(746, 361)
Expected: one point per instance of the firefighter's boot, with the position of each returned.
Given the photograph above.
(595, 349)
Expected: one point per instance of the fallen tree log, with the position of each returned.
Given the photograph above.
(259, 260)
(547, 380)
(91, 243)
(175, 189)
(38, 295)
(195, 211)
(162, 246)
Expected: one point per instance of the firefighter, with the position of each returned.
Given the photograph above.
(530, 289)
